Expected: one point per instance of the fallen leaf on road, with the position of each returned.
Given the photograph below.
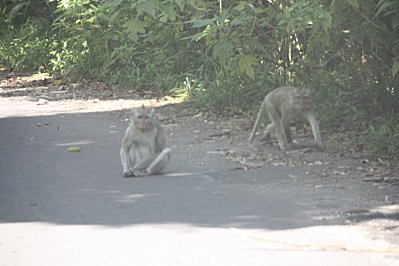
(74, 149)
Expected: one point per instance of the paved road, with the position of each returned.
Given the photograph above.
(62, 208)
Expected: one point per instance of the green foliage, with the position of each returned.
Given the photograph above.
(25, 49)
(223, 55)
(382, 137)
(25, 42)
(80, 45)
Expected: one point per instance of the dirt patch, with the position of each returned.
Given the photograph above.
(56, 88)
(321, 163)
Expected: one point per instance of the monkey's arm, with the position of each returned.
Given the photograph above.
(161, 140)
(127, 143)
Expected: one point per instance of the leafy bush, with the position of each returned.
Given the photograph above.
(25, 27)
(224, 55)
(26, 49)
(382, 137)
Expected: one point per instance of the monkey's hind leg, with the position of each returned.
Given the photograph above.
(311, 117)
(160, 162)
(141, 167)
(256, 125)
(269, 130)
(278, 125)
(287, 132)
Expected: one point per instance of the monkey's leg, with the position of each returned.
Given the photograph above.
(140, 168)
(258, 118)
(278, 125)
(160, 162)
(311, 117)
(287, 132)
(143, 164)
(269, 129)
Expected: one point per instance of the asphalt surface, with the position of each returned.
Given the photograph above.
(64, 208)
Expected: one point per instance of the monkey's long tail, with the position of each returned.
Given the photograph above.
(256, 125)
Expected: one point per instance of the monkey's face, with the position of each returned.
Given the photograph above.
(301, 100)
(143, 118)
(143, 121)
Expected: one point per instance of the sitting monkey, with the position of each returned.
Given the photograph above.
(144, 149)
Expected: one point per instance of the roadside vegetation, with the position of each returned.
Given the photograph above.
(225, 55)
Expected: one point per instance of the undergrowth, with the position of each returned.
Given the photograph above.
(224, 56)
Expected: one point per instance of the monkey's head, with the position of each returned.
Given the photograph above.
(142, 118)
(301, 100)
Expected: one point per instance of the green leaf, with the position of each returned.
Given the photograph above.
(169, 12)
(147, 7)
(246, 65)
(180, 3)
(134, 26)
(326, 24)
(384, 5)
(16, 8)
(354, 3)
(237, 22)
(395, 68)
(223, 50)
(198, 23)
(395, 21)
(221, 18)
(110, 3)
(240, 6)
(196, 37)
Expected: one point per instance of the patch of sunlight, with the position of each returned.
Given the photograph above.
(187, 244)
(25, 106)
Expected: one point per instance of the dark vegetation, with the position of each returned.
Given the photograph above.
(225, 55)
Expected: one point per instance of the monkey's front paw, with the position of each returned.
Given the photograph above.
(128, 174)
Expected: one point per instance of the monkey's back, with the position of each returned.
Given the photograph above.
(289, 99)
(278, 97)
